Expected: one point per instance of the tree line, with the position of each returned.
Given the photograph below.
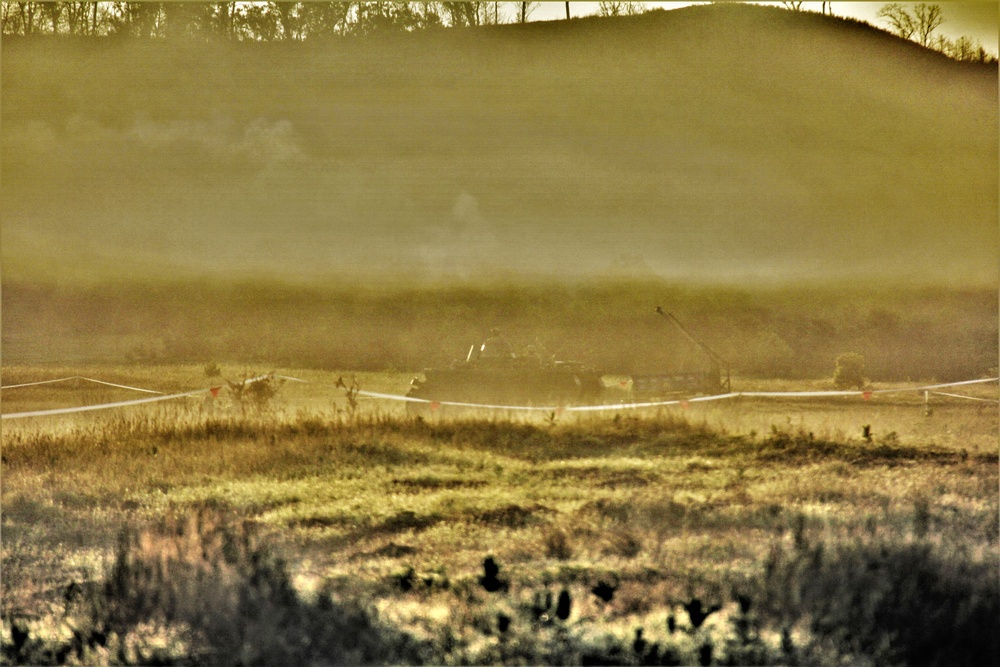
(264, 21)
(296, 21)
(251, 21)
(919, 24)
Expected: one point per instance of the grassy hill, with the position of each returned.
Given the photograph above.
(713, 143)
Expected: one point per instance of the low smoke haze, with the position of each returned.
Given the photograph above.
(709, 143)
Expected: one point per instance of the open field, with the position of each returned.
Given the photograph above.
(774, 510)
(792, 186)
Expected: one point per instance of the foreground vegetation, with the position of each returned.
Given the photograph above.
(192, 535)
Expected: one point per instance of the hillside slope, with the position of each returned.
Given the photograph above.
(714, 142)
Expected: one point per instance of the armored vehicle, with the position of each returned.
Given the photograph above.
(493, 374)
(702, 377)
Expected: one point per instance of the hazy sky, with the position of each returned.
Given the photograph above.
(975, 19)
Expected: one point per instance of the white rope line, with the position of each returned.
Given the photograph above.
(122, 386)
(433, 403)
(80, 377)
(802, 394)
(939, 386)
(968, 398)
(125, 386)
(101, 406)
(683, 402)
(32, 384)
(291, 379)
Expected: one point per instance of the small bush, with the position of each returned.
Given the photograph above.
(558, 544)
(849, 371)
(255, 393)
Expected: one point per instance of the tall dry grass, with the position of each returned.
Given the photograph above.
(333, 511)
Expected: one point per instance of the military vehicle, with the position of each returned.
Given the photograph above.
(493, 374)
(704, 377)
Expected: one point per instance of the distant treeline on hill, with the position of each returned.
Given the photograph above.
(903, 332)
(253, 21)
(297, 21)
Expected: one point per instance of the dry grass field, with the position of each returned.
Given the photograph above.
(758, 531)
(792, 186)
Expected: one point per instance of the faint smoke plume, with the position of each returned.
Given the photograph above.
(260, 143)
(271, 142)
(466, 213)
(465, 245)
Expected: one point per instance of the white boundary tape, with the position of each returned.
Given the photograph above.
(80, 377)
(940, 386)
(968, 398)
(558, 408)
(101, 406)
(656, 404)
(122, 386)
(32, 384)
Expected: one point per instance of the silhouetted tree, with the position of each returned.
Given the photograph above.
(620, 8)
(80, 17)
(187, 19)
(900, 20)
(920, 26)
(223, 19)
(927, 19)
(75, 14)
(375, 16)
(51, 13)
(97, 18)
(20, 18)
(136, 19)
(259, 23)
(462, 13)
(289, 19)
(964, 48)
(325, 19)
(491, 14)
(524, 10)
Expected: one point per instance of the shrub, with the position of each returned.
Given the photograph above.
(255, 392)
(894, 602)
(849, 371)
(232, 597)
(558, 544)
